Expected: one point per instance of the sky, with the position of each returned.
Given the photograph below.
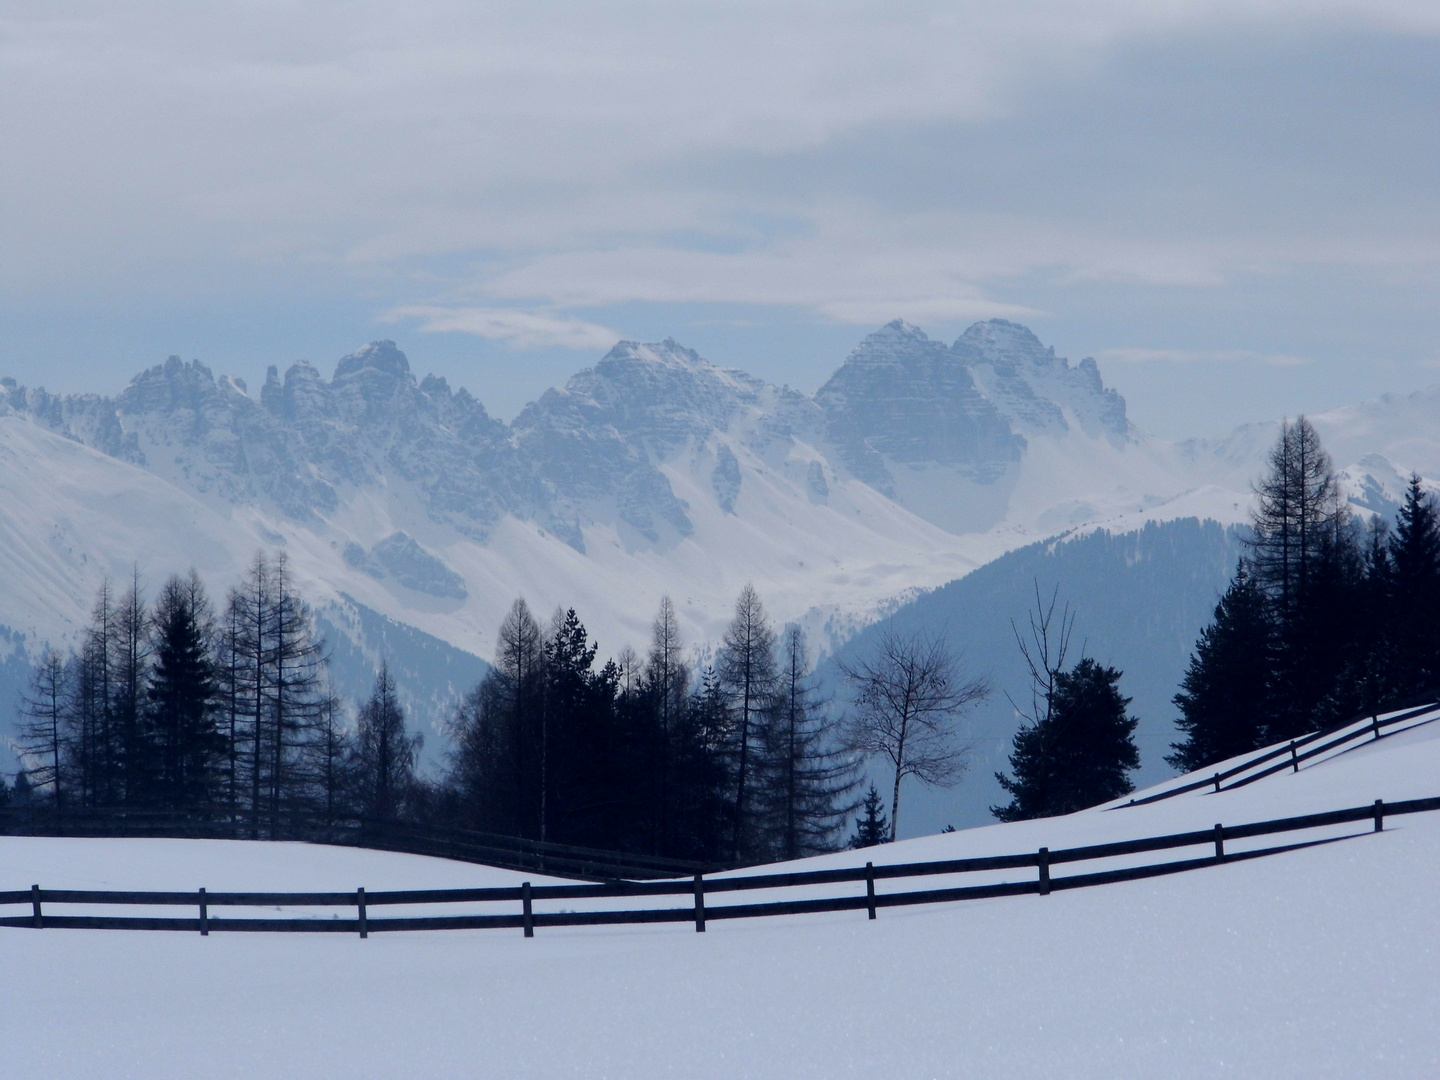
(1232, 206)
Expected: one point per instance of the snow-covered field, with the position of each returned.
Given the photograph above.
(1317, 963)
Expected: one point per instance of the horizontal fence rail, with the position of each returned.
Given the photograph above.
(698, 889)
(1290, 755)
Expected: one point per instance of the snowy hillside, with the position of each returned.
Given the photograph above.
(655, 471)
(1140, 600)
(1316, 963)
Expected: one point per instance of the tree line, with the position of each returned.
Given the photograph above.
(175, 707)
(1328, 617)
(738, 762)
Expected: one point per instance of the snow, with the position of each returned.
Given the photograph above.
(833, 561)
(1323, 962)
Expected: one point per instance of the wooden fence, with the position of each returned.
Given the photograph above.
(1290, 755)
(697, 890)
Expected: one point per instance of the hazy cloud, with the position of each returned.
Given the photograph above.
(520, 329)
(531, 174)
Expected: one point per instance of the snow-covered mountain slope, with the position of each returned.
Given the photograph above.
(1323, 962)
(653, 472)
(1139, 600)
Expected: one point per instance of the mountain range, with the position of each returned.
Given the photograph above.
(412, 517)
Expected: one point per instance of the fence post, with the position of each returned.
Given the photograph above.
(1217, 783)
(1379, 815)
(360, 905)
(699, 904)
(204, 916)
(1219, 842)
(37, 918)
(870, 887)
(1375, 725)
(1294, 758)
(528, 915)
(1043, 861)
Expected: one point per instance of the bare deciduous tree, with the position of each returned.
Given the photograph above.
(908, 697)
(1043, 649)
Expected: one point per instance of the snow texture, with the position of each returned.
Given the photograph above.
(1322, 963)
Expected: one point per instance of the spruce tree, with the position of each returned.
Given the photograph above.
(383, 767)
(1079, 755)
(575, 740)
(1223, 698)
(22, 795)
(1415, 596)
(182, 733)
(870, 827)
(495, 767)
(702, 825)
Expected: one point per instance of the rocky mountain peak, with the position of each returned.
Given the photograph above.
(382, 356)
(1002, 341)
(903, 397)
(896, 343)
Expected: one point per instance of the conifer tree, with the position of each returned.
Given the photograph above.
(575, 770)
(129, 664)
(383, 769)
(1415, 596)
(100, 747)
(182, 736)
(495, 767)
(747, 670)
(667, 681)
(870, 827)
(331, 754)
(808, 780)
(1297, 503)
(231, 672)
(44, 737)
(1224, 697)
(704, 767)
(1305, 556)
(1079, 755)
(297, 663)
(249, 678)
(276, 676)
(22, 795)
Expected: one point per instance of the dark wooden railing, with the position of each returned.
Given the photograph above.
(1290, 755)
(698, 889)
